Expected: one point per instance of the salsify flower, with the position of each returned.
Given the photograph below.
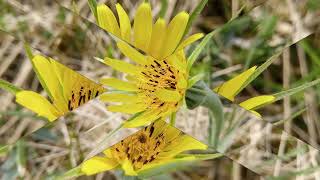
(157, 82)
(153, 146)
(66, 88)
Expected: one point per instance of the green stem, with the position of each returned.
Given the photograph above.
(173, 119)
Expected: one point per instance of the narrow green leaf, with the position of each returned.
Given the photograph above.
(9, 87)
(195, 13)
(173, 119)
(93, 7)
(314, 56)
(292, 116)
(260, 69)
(28, 51)
(195, 79)
(73, 173)
(295, 90)
(193, 57)
(164, 8)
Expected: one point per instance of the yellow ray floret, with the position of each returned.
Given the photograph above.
(158, 39)
(155, 145)
(66, 88)
(256, 102)
(231, 88)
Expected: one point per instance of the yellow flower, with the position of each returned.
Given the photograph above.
(153, 146)
(157, 82)
(231, 88)
(66, 88)
(256, 102)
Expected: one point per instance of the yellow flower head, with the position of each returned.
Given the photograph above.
(157, 82)
(155, 145)
(66, 88)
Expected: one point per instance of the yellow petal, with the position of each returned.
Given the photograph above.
(128, 168)
(118, 84)
(256, 113)
(189, 40)
(255, 102)
(230, 88)
(163, 162)
(128, 108)
(117, 97)
(97, 164)
(177, 63)
(175, 32)
(73, 85)
(122, 66)
(143, 119)
(47, 76)
(125, 25)
(168, 95)
(182, 82)
(142, 27)
(181, 144)
(131, 53)
(38, 104)
(107, 20)
(157, 38)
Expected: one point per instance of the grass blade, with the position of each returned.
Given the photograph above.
(295, 90)
(9, 87)
(195, 13)
(93, 7)
(193, 57)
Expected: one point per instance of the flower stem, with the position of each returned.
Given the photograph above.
(173, 119)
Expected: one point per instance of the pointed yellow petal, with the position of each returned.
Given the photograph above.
(142, 27)
(107, 20)
(255, 113)
(128, 168)
(97, 164)
(176, 62)
(38, 104)
(175, 32)
(163, 162)
(230, 88)
(168, 95)
(127, 108)
(46, 75)
(125, 25)
(118, 84)
(255, 102)
(189, 41)
(157, 38)
(77, 89)
(142, 120)
(116, 97)
(181, 144)
(122, 66)
(131, 53)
